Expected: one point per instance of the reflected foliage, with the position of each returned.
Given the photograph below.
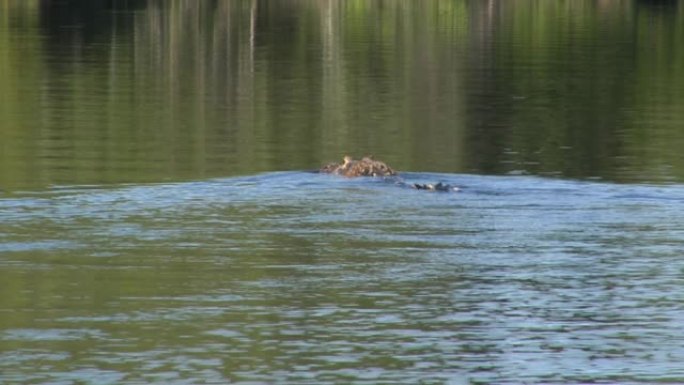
(144, 91)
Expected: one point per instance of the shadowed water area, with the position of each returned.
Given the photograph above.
(159, 223)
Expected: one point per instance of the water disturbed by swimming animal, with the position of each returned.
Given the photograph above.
(370, 167)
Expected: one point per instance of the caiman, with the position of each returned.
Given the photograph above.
(367, 166)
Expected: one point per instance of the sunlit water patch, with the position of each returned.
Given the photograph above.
(297, 277)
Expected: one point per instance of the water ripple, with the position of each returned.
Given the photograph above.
(304, 278)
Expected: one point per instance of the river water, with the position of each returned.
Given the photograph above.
(159, 223)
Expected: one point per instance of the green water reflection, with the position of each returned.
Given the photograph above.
(298, 278)
(140, 91)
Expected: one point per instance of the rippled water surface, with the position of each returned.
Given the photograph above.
(159, 225)
(305, 278)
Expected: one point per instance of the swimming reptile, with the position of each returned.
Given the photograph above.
(368, 166)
